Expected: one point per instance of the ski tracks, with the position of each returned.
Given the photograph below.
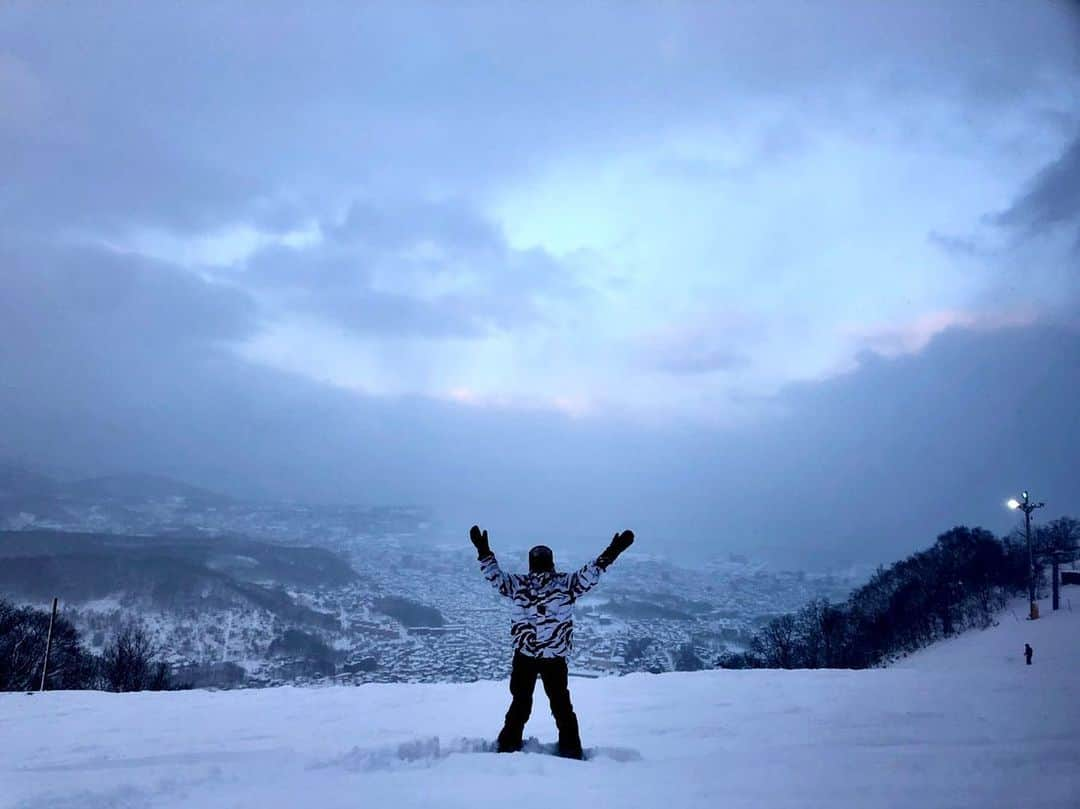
(429, 751)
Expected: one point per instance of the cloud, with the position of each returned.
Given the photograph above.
(99, 299)
(962, 247)
(1052, 200)
(404, 225)
(913, 336)
(414, 269)
(703, 362)
(903, 447)
(152, 116)
(716, 346)
(113, 363)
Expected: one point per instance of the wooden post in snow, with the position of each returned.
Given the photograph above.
(48, 644)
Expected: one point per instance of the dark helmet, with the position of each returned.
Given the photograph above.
(541, 560)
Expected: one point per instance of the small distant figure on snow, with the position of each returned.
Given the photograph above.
(1028, 652)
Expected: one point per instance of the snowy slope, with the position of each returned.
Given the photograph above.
(965, 723)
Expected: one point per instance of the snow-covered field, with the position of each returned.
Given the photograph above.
(965, 723)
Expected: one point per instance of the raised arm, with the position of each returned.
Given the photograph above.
(489, 565)
(585, 579)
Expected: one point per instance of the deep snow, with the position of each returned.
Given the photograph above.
(964, 723)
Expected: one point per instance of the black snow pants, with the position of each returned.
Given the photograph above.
(555, 675)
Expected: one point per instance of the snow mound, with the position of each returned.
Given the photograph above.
(965, 723)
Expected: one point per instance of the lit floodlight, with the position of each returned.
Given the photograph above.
(1013, 503)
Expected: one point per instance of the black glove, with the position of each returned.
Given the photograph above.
(480, 540)
(619, 543)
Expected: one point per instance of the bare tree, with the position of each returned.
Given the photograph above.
(820, 628)
(129, 664)
(23, 637)
(777, 643)
(1060, 535)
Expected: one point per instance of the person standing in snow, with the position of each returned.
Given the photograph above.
(1028, 652)
(542, 629)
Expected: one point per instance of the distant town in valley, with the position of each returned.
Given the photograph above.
(237, 594)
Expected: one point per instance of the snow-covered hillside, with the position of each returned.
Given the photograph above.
(965, 723)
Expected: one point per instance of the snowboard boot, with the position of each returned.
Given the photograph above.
(571, 749)
(508, 743)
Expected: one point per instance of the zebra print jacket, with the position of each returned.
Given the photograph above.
(542, 620)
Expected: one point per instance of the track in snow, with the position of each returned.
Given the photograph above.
(428, 751)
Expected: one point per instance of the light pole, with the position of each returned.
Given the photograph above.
(1025, 505)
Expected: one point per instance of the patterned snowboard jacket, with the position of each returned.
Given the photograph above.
(542, 621)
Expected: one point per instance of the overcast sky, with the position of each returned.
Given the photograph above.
(797, 279)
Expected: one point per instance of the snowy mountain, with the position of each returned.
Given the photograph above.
(148, 504)
(964, 723)
(376, 607)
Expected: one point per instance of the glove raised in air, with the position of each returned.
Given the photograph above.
(619, 543)
(480, 540)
